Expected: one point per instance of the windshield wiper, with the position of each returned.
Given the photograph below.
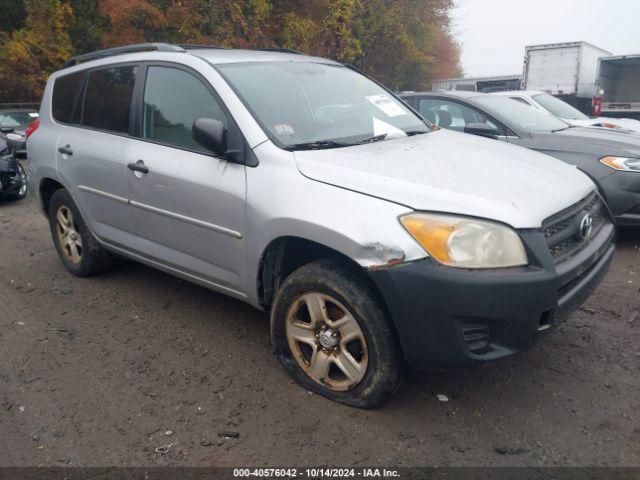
(375, 138)
(320, 144)
(562, 129)
(411, 133)
(317, 145)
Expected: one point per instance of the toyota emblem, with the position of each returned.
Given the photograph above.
(586, 224)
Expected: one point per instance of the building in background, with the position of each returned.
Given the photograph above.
(479, 84)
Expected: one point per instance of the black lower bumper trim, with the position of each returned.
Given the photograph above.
(447, 317)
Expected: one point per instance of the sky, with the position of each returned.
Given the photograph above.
(493, 33)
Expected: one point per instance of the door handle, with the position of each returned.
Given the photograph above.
(66, 150)
(139, 166)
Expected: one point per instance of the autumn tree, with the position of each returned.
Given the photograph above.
(29, 54)
(402, 43)
(132, 21)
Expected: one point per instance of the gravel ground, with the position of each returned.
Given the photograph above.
(136, 367)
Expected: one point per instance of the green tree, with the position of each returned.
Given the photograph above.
(89, 27)
(12, 15)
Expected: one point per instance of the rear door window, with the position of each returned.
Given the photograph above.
(107, 102)
(66, 91)
(453, 115)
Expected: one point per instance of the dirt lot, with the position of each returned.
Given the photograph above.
(136, 367)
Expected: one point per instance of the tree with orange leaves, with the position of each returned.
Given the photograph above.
(402, 43)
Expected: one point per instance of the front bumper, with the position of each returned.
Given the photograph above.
(10, 180)
(447, 317)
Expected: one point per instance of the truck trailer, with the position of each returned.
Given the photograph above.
(565, 70)
(618, 87)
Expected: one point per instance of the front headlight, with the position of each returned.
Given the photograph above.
(624, 164)
(466, 242)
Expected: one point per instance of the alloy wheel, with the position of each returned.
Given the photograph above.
(326, 341)
(68, 235)
(23, 178)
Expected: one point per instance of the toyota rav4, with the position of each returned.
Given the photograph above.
(373, 239)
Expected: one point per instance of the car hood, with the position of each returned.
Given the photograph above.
(451, 172)
(626, 123)
(583, 137)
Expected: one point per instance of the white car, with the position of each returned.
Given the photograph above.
(558, 108)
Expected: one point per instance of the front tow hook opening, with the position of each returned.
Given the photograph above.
(546, 320)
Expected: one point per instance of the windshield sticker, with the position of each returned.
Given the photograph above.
(386, 105)
(34, 114)
(284, 129)
(383, 128)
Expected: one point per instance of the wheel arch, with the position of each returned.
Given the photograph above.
(46, 189)
(283, 255)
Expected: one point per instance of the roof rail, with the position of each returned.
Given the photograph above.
(109, 52)
(265, 49)
(187, 46)
(279, 49)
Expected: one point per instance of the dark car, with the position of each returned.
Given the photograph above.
(18, 117)
(13, 179)
(610, 158)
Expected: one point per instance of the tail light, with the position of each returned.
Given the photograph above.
(597, 106)
(32, 127)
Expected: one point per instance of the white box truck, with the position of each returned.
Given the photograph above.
(565, 70)
(618, 87)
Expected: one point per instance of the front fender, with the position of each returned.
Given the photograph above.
(281, 202)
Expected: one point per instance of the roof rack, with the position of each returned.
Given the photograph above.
(279, 49)
(159, 47)
(265, 49)
(109, 52)
(187, 46)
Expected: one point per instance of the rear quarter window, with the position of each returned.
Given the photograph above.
(66, 90)
(107, 102)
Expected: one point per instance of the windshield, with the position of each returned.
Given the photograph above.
(315, 105)
(17, 119)
(558, 107)
(526, 117)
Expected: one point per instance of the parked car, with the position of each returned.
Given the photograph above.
(554, 106)
(611, 158)
(18, 117)
(13, 178)
(302, 187)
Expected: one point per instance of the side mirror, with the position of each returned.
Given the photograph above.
(481, 129)
(6, 130)
(211, 134)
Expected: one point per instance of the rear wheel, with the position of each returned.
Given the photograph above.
(333, 335)
(78, 249)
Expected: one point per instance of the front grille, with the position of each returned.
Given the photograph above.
(563, 230)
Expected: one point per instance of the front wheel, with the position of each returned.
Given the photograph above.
(332, 334)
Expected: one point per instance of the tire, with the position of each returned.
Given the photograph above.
(346, 298)
(87, 257)
(24, 190)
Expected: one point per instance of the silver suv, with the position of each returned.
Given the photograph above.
(296, 184)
